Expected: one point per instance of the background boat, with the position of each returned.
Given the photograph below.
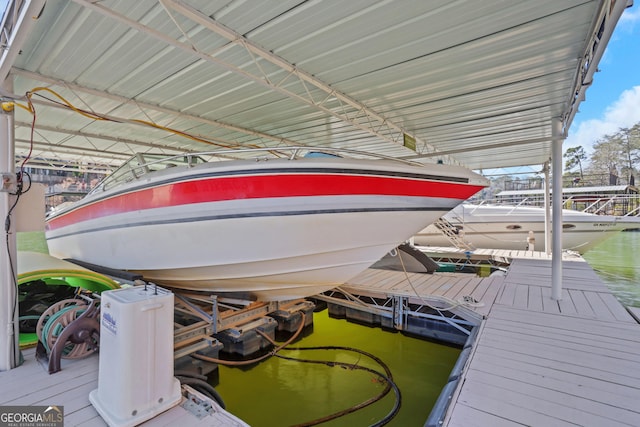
(493, 226)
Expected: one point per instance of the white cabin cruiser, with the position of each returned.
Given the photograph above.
(496, 226)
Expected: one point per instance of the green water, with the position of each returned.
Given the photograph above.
(617, 262)
(281, 392)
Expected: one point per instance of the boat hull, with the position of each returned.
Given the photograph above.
(281, 240)
(507, 227)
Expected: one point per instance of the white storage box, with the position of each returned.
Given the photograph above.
(135, 378)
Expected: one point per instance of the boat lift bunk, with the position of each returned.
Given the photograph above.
(206, 324)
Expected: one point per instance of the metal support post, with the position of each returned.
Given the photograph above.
(9, 332)
(556, 254)
(547, 209)
(399, 312)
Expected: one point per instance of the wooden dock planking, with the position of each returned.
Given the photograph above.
(461, 287)
(417, 280)
(583, 292)
(86, 416)
(452, 286)
(494, 285)
(635, 312)
(438, 285)
(538, 361)
(31, 384)
(554, 369)
(519, 397)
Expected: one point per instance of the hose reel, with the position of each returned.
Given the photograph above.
(69, 329)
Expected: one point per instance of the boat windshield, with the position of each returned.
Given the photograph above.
(142, 164)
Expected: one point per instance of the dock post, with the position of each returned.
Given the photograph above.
(399, 312)
(547, 209)
(556, 223)
(22, 16)
(9, 334)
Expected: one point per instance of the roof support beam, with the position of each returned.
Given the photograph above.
(333, 102)
(19, 23)
(353, 112)
(594, 49)
(145, 106)
(90, 135)
(62, 149)
(63, 165)
(485, 147)
(123, 120)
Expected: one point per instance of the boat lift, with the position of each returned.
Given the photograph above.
(432, 317)
(204, 323)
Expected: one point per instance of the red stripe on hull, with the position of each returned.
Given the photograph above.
(264, 186)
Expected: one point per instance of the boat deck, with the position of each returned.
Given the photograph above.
(538, 361)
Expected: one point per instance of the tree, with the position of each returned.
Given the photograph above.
(575, 156)
(629, 141)
(607, 157)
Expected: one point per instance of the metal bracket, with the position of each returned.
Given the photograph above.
(9, 182)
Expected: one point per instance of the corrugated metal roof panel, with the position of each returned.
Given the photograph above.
(479, 81)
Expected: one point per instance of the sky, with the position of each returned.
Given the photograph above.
(613, 100)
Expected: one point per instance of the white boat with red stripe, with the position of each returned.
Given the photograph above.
(287, 223)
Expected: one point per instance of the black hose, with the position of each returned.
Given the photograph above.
(204, 388)
(388, 378)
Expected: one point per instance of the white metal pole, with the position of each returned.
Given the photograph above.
(556, 254)
(20, 17)
(9, 332)
(547, 209)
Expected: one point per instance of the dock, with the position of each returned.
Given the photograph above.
(533, 360)
(536, 361)
(30, 384)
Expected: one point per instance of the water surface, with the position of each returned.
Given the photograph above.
(281, 392)
(617, 262)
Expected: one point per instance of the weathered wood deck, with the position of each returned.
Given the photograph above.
(31, 384)
(451, 286)
(537, 361)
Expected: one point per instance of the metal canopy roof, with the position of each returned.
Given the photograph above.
(477, 82)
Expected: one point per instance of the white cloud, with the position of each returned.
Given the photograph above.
(630, 16)
(624, 112)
